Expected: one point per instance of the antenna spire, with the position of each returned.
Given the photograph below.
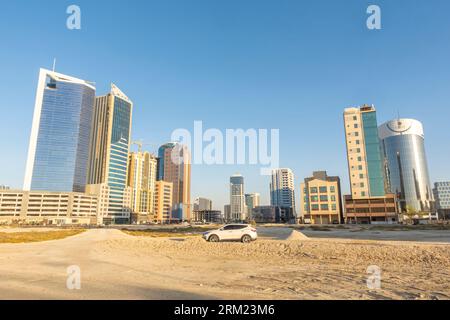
(54, 64)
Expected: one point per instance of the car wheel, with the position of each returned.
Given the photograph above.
(213, 238)
(246, 239)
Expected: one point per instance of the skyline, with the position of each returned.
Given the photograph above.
(277, 86)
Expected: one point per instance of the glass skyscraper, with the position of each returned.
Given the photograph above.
(59, 144)
(406, 165)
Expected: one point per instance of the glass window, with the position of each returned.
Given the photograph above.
(324, 207)
(323, 198)
(313, 190)
(314, 199)
(315, 207)
(332, 189)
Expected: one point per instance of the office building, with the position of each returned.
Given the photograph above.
(282, 189)
(321, 199)
(403, 147)
(108, 165)
(238, 211)
(441, 194)
(163, 203)
(175, 167)
(368, 202)
(38, 207)
(58, 152)
(142, 167)
(227, 212)
(207, 216)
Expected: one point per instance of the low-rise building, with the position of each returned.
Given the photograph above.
(207, 216)
(47, 207)
(321, 199)
(441, 193)
(272, 214)
(371, 210)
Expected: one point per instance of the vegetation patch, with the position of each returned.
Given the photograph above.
(27, 237)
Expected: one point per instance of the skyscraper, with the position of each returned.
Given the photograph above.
(175, 167)
(406, 165)
(282, 189)
(163, 202)
(141, 179)
(59, 144)
(368, 201)
(110, 144)
(252, 200)
(238, 210)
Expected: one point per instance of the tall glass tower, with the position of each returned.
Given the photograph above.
(406, 165)
(238, 210)
(59, 144)
(282, 188)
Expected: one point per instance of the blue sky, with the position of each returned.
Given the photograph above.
(289, 65)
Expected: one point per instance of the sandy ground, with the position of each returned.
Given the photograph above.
(281, 265)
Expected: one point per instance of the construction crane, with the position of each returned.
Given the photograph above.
(140, 144)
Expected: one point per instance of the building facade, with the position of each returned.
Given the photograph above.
(110, 145)
(282, 189)
(365, 166)
(202, 204)
(207, 216)
(58, 152)
(238, 211)
(252, 200)
(142, 168)
(272, 214)
(175, 167)
(163, 202)
(36, 207)
(321, 199)
(406, 167)
(441, 194)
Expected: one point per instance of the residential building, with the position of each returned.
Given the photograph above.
(238, 211)
(142, 168)
(227, 212)
(406, 167)
(272, 214)
(38, 207)
(282, 189)
(108, 164)
(163, 202)
(321, 199)
(441, 193)
(202, 204)
(58, 152)
(175, 167)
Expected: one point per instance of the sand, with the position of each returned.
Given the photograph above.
(119, 266)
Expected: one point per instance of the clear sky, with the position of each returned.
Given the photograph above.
(289, 65)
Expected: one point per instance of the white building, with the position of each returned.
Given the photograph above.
(282, 189)
(238, 210)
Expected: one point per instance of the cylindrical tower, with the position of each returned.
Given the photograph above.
(402, 143)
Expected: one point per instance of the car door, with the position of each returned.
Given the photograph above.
(227, 233)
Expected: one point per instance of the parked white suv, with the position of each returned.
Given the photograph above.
(232, 232)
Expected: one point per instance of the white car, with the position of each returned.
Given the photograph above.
(232, 232)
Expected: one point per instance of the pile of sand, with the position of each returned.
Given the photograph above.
(296, 236)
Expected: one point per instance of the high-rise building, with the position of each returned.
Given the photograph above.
(58, 153)
(238, 211)
(109, 154)
(252, 200)
(368, 201)
(441, 194)
(363, 152)
(202, 204)
(141, 179)
(282, 189)
(406, 168)
(321, 199)
(227, 212)
(163, 202)
(175, 166)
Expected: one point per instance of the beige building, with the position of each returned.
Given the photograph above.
(142, 179)
(47, 207)
(368, 202)
(163, 202)
(321, 199)
(108, 162)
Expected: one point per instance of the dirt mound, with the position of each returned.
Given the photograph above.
(297, 235)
